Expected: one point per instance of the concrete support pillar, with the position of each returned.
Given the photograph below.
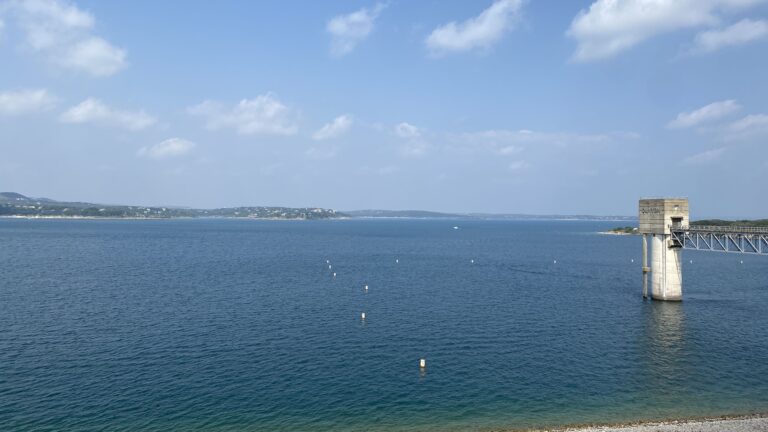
(646, 269)
(666, 267)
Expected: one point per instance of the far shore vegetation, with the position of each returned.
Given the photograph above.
(733, 223)
(623, 230)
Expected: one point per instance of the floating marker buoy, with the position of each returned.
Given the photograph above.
(397, 261)
(362, 315)
(334, 274)
(472, 261)
(365, 287)
(741, 262)
(691, 261)
(455, 227)
(329, 266)
(327, 261)
(555, 261)
(633, 260)
(422, 363)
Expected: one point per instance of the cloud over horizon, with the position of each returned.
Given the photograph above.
(479, 32)
(705, 157)
(95, 111)
(264, 114)
(713, 111)
(26, 101)
(338, 127)
(170, 148)
(610, 27)
(63, 34)
(740, 33)
(347, 31)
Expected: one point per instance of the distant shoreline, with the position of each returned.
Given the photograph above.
(465, 218)
(163, 218)
(618, 233)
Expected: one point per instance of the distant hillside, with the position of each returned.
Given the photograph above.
(12, 196)
(13, 204)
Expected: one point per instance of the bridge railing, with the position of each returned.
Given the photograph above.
(720, 229)
(751, 240)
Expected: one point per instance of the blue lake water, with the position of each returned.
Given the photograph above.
(239, 325)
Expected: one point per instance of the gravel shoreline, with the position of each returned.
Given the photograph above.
(736, 424)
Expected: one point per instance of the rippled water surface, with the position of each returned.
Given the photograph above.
(240, 325)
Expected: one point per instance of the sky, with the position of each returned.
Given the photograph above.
(505, 106)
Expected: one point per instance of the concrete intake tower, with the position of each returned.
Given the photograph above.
(657, 219)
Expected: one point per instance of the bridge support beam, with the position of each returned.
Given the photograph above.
(657, 216)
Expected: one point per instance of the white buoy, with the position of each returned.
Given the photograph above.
(397, 261)
(365, 287)
(334, 274)
(741, 262)
(329, 267)
(472, 261)
(555, 261)
(691, 261)
(422, 363)
(362, 315)
(327, 261)
(633, 260)
(455, 227)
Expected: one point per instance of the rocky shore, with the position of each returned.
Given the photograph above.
(736, 424)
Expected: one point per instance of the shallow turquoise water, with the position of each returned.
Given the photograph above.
(239, 325)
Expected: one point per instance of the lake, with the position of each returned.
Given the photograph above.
(216, 324)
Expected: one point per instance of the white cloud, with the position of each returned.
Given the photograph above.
(509, 150)
(94, 55)
(706, 113)
(94, 111)
(349, 30)
(320, 153)
(62, 33)
(750, 122)
(406, 130)
(26, 101)
(262, 115)
(742, 32)
(706, 157)
(518, 165)
(172, 147)
(339, 126)
(609, 27)
(478, 32)
(509, 141)
(748, 127)
(414, 148)
(413, 142)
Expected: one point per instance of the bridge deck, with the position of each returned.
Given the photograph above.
(751, 240)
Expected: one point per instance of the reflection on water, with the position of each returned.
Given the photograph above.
(663, 355)
(665, 327)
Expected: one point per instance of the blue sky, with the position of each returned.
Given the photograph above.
(484, 106)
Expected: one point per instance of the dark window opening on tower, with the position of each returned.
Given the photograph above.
(677, 222)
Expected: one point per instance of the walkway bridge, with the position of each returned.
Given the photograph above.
(750, 240)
